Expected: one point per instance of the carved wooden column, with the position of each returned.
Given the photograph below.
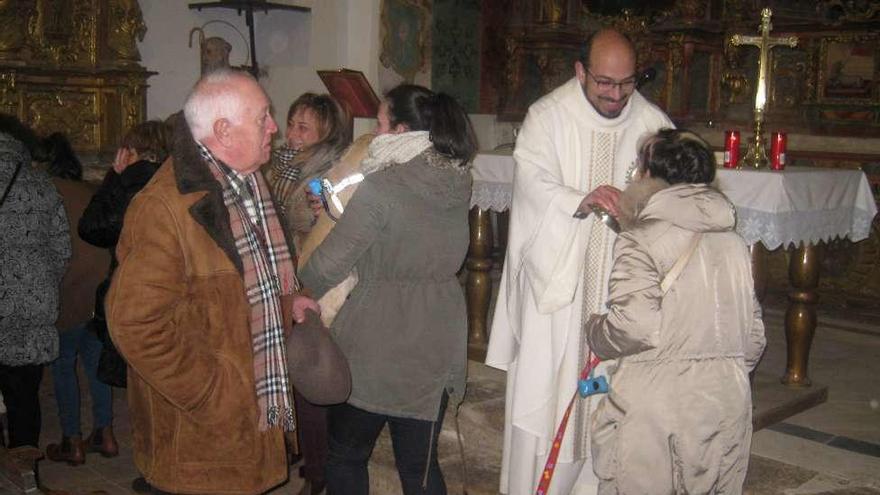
(479, 283)
(759, 269)
(800, 319)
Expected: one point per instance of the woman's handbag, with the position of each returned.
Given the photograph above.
(316, 365)
(112, 368)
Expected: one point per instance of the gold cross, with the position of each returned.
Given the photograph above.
(764, 42)
(756, 154)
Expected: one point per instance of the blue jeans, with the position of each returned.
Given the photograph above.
(80, 340)
(353, 433)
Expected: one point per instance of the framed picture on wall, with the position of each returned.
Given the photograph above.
(849, 69)
(405, 33)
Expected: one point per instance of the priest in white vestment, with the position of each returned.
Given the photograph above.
(575, 149)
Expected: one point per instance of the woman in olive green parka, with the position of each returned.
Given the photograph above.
(404, 327)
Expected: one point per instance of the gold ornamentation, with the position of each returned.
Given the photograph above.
(550, 11)
(691, 11)
(64, 32)
(75, 69)
(8, 95)
(13, 34)
(72, 111)
(810, 76)
(676, 51)
(756, 155)
(734, 82)
(512, 74)
(133, 97)
(628, 22)
(849, 11)
(127, 24)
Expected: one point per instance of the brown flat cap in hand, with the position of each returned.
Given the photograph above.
(317, 367)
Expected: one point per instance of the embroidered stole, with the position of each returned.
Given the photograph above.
(597, 262)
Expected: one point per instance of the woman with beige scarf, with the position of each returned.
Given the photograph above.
(317, 135)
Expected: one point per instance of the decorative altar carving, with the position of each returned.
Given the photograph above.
(828, 84)
(71, 66)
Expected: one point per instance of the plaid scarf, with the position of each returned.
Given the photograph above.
(268, 274)
(286, 173)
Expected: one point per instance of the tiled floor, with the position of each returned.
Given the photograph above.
(100, 475)
(808, 446)
(800, 456)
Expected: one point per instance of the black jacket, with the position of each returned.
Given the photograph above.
(101, 222)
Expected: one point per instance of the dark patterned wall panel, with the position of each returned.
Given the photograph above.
(455, 51)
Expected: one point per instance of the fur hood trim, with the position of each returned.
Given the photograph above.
(634, 199)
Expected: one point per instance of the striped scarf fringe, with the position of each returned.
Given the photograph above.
(268, 273)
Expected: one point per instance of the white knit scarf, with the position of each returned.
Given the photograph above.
(389, 149)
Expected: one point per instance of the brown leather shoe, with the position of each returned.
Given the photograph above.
(70, 450)
(103, 442)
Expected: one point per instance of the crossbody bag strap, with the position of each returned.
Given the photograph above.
(9, 186)
(680, 263)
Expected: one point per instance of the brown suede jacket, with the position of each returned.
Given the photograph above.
(178, 314)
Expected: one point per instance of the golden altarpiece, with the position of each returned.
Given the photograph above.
(826, 89)
(71, 66)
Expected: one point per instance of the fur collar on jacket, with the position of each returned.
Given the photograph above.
(193, 175)
(634, 199)
(694, 207)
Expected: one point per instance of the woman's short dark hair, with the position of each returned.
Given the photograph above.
(333, 128)
(54, 151)
(62, 160)
(151, 140)
(678, 156)
(420, 109)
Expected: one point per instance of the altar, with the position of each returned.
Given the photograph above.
(798, 208)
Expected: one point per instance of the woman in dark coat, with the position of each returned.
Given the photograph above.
(142, 151)
(403, 328)
(34, 250)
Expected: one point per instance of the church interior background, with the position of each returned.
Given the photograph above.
(93, 68)
(90, 68)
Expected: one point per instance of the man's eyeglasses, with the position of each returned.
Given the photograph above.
(605, 84)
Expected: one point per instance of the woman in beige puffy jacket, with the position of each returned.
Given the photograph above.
(678, 416)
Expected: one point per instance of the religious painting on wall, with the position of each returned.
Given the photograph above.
(849, 69)
(455, 50)
(405, 31)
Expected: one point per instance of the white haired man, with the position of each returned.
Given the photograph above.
(198, 306)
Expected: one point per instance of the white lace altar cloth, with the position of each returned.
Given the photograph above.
(799, 204)
(493, 179)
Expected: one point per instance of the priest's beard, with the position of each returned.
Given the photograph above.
(608, 115)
